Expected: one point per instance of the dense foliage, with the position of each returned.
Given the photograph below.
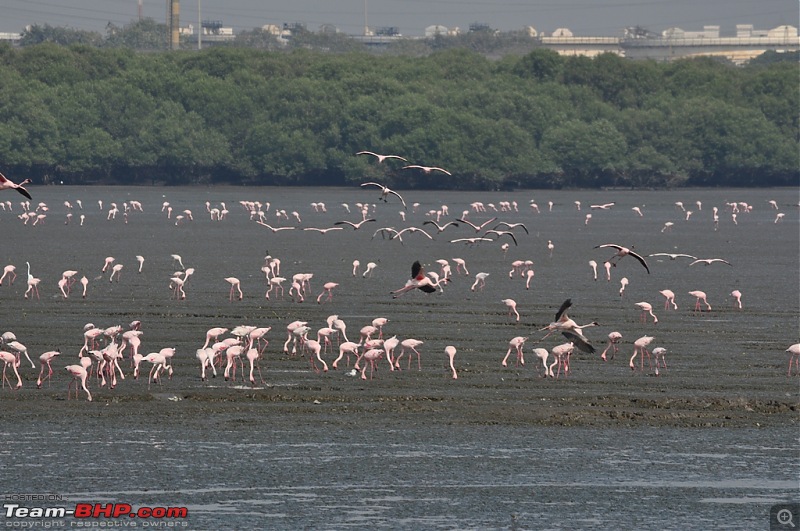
(84, 113)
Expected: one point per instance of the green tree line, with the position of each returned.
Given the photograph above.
(88, 114)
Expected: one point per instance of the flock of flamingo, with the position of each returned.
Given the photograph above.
(102, 356)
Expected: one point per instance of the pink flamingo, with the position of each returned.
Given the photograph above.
(372, 356)
(206, 357)
(13, 360)
(316, 349)
(670, 299)
(737, 298)
(412, 345)
(646, 308)
(480, 281)
(107, 263)
(348, 347)
(529, 276)
(356, 265)
(593, 265)
(461, 266)
(115, 271)
(570, 329)
(640, 346)
(543, 354)
(380, 157)
(794, 356)
(516, 344)
(78, 372)
(253, 356)
(418, 281)
(6, 184)
(9, 271)
(512, 307)
(379, 323)
(213, 334)
(450, 351)
(327, 288)
(561, 353)
(235, 286)
(85, 283)
(659, 354)
(45, 360)
(623, 283)
(233, 354)
(621, 253)
(389, 345)
(613, 339)
(701, 296)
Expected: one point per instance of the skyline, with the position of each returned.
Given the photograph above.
(411, 17)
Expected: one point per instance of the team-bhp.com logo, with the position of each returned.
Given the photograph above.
(94, 511)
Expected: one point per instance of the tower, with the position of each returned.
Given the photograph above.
(173, 24)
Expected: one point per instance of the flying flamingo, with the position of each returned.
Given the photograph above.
(737, 298)
(794, 356)
(10, 359)
(381, 158)
(640, 346)
(355, 226)
(669, 295)
(701, 296)
(515, 344)
(512, 307)
(78, 372)
(426, 169)
(450, 351)
(646, 308)
(385, 192)
(6, 184)
(44, 360)
(235, 286)
(709, 261)
(622, 252)
(418, 281)
(570, 329)
(613, 340)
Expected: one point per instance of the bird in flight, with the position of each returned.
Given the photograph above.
(418, 280)
(426, 169)
(621, 252)
(274, 229)
(355, 226)
(6, 184)
(440, 228)
(501, 233)
(477, 228)
(381, 158)
(604, 206)
(570, 329)
(512, 226)
(673, 256)
(385, 191)
(709, 261)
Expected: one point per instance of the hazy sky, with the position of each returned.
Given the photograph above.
(583, 17)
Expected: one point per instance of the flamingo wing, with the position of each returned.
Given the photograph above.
(566, 304)
(641, 260)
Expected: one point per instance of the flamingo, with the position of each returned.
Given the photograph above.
(372, 356)
(593, 265)
(640, 346)
(622, 252)
(6, 184)
(613, 339)
(78, 372)
(570, 329)
(480, 281)
(450, 352)
(709, 261)
(512, 307)
(380, 157)
(515, 344)
(235, 286)
(412, 345)
(659, 356)
(737, 298)
(561, 353)
(327, 288)
(385, 192)
(348, 347)
(9, 271)
(426, 169)
(44, 360)
(646, 308)
(418, 281)
(669, 295)
(10, 359)
(700, 296)
(623, 283)
(794, 356)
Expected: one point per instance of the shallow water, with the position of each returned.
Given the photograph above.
(712, 441)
